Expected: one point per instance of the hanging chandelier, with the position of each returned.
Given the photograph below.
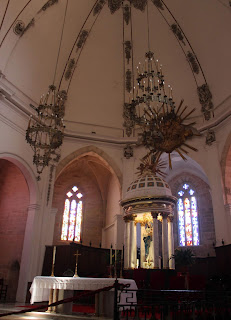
(164, 128)
(45, 130)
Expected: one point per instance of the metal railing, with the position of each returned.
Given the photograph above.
(174, 305)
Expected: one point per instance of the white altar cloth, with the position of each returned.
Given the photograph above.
(41, 286)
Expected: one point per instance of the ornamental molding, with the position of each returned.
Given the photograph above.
(128, 151)
(205, 98)
(82, 39)
(128, 81)
(139, 4)
(114, 5)
(47, 5)
(69, 70)
(19, 27)
(127, 14)
(30, 24)
(98, 7)
(158, 4)
(210, 137)
(177, 31)
(127, 50)
(193, 62)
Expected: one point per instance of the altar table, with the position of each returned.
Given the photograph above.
(41, 287)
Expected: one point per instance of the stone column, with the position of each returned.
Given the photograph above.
(155, 239)
(142, 247)
(30, 251)
(170, 242)
(133, 245)
(126, 242)
(165, 241)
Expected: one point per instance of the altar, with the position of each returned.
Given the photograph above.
(53, 289)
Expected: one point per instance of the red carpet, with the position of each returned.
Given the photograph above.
(83, 308)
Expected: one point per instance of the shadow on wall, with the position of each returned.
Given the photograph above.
(12, 280)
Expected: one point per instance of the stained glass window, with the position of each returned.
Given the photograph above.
(188, 225)
(72, 215)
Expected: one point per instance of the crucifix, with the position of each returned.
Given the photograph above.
(77, 254)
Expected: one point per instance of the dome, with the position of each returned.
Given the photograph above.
(148, 186)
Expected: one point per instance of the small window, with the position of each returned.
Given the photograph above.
(188, 225)
(72, 215)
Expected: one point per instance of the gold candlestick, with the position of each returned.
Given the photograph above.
(76, 263)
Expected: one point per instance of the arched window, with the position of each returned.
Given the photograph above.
(188, 225)
(72, 215)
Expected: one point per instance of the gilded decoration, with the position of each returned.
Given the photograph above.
(127, 14)
(19, 27)
(177, 31)
(205, 98)
(158, 4)
(192, 59)
(82, 38)
(128, 80)
(70, 67)
(98, 7)
(210, 137)
(47, 5)
(127, 49)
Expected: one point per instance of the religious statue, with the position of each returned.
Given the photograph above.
(147, 239)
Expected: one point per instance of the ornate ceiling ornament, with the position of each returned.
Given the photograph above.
(98, 7)
(128, 151)
(193, 62)
(158, 4)
(129, 122)
(127, 49)
(82, 38)
(177, 31)
(139, 4)
(19, 27)
(210, 137)
(114, 5)
(127, 14)
(47, 5)
(128, 80)
(70, 67)
(205, 97)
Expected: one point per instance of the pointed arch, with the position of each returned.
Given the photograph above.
(91, 150)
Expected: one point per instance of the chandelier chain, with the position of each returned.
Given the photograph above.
(60, 42)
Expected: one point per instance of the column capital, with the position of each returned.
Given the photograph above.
(154, 214)
(165, 215)
(130, 217)
(170, 218)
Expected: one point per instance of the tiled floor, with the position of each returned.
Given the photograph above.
(12, 307)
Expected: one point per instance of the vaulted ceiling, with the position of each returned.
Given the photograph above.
(191, 39)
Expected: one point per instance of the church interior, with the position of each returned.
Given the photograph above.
(115, 142)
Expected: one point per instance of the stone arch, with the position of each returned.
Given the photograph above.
(92, 150)
(27, 173)
(226, 168)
